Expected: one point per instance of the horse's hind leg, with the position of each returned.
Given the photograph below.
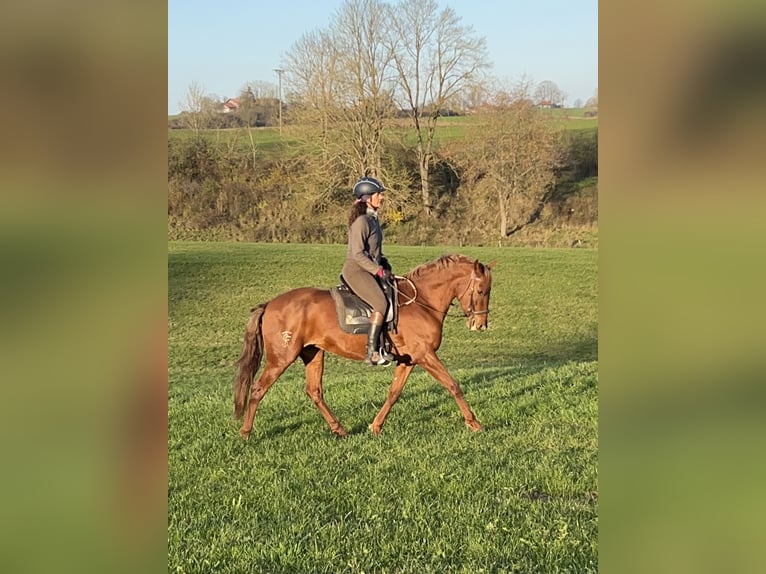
(269, 375)
(314, 359)
(400, 377)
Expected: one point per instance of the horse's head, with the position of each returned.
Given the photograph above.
(475, 297)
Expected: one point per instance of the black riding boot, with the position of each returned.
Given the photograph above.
(385, 355)
(373, 356)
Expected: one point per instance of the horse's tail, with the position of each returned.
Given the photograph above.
(249, 361)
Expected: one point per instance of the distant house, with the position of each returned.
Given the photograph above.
(231, 105)
(547, 104)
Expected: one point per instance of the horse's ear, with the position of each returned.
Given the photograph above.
(478, 267)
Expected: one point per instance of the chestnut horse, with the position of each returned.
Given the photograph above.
(303, 323)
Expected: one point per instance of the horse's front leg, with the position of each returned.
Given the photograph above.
(400, 377)
(314, 359)
(437, 370)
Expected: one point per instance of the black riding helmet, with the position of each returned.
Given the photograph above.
(367, 186)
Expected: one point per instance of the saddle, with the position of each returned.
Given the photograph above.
(354, 313)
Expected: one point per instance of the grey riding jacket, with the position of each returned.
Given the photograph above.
(365, 241)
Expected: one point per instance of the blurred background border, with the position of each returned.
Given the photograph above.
(84, 297)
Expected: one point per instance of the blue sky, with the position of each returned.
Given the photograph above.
(223, 45)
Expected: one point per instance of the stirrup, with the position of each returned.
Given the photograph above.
(376, 359)
(385, 355)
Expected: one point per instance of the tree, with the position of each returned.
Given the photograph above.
(510, 159)
(198, 107)
(549, 93)
(578, 103)
(593, 100)
(259, 90)
(258, 104)
(436, 58)
(349, 83)
(364, 59)
(313, 75)
(340, 81)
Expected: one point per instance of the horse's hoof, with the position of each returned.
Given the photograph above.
(375, 430)
(475, 426)
(244, 435)
(340, 432)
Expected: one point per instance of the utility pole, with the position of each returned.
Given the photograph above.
(279, 72)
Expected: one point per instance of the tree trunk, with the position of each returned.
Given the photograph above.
(424, 189)
(503, 215)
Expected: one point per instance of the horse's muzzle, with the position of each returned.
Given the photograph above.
(475, 324)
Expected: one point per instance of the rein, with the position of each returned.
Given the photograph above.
(469, 313)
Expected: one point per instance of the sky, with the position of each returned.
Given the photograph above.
(221, 46)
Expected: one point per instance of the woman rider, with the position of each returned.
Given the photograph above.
(365, 264)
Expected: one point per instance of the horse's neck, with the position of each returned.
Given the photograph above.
(439, 288)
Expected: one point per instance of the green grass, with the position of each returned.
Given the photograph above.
(269, 142)
(579, 123)
(427, 495)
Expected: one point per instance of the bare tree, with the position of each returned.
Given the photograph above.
(259, 90)
(198, 107)
(474, 96)
(548, 92)
(311, 70)
(313, 74)
(436, 58)
(364, 60)
(258, 103)
(593, 100)
(510, 159)
(341, 79)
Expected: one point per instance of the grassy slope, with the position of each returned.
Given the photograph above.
(426, 496)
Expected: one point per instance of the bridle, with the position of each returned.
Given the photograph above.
(471, 312)
(470, 286)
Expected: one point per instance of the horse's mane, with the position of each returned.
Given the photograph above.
(441, 263)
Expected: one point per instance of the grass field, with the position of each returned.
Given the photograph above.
(428, 495)
(268, 140)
